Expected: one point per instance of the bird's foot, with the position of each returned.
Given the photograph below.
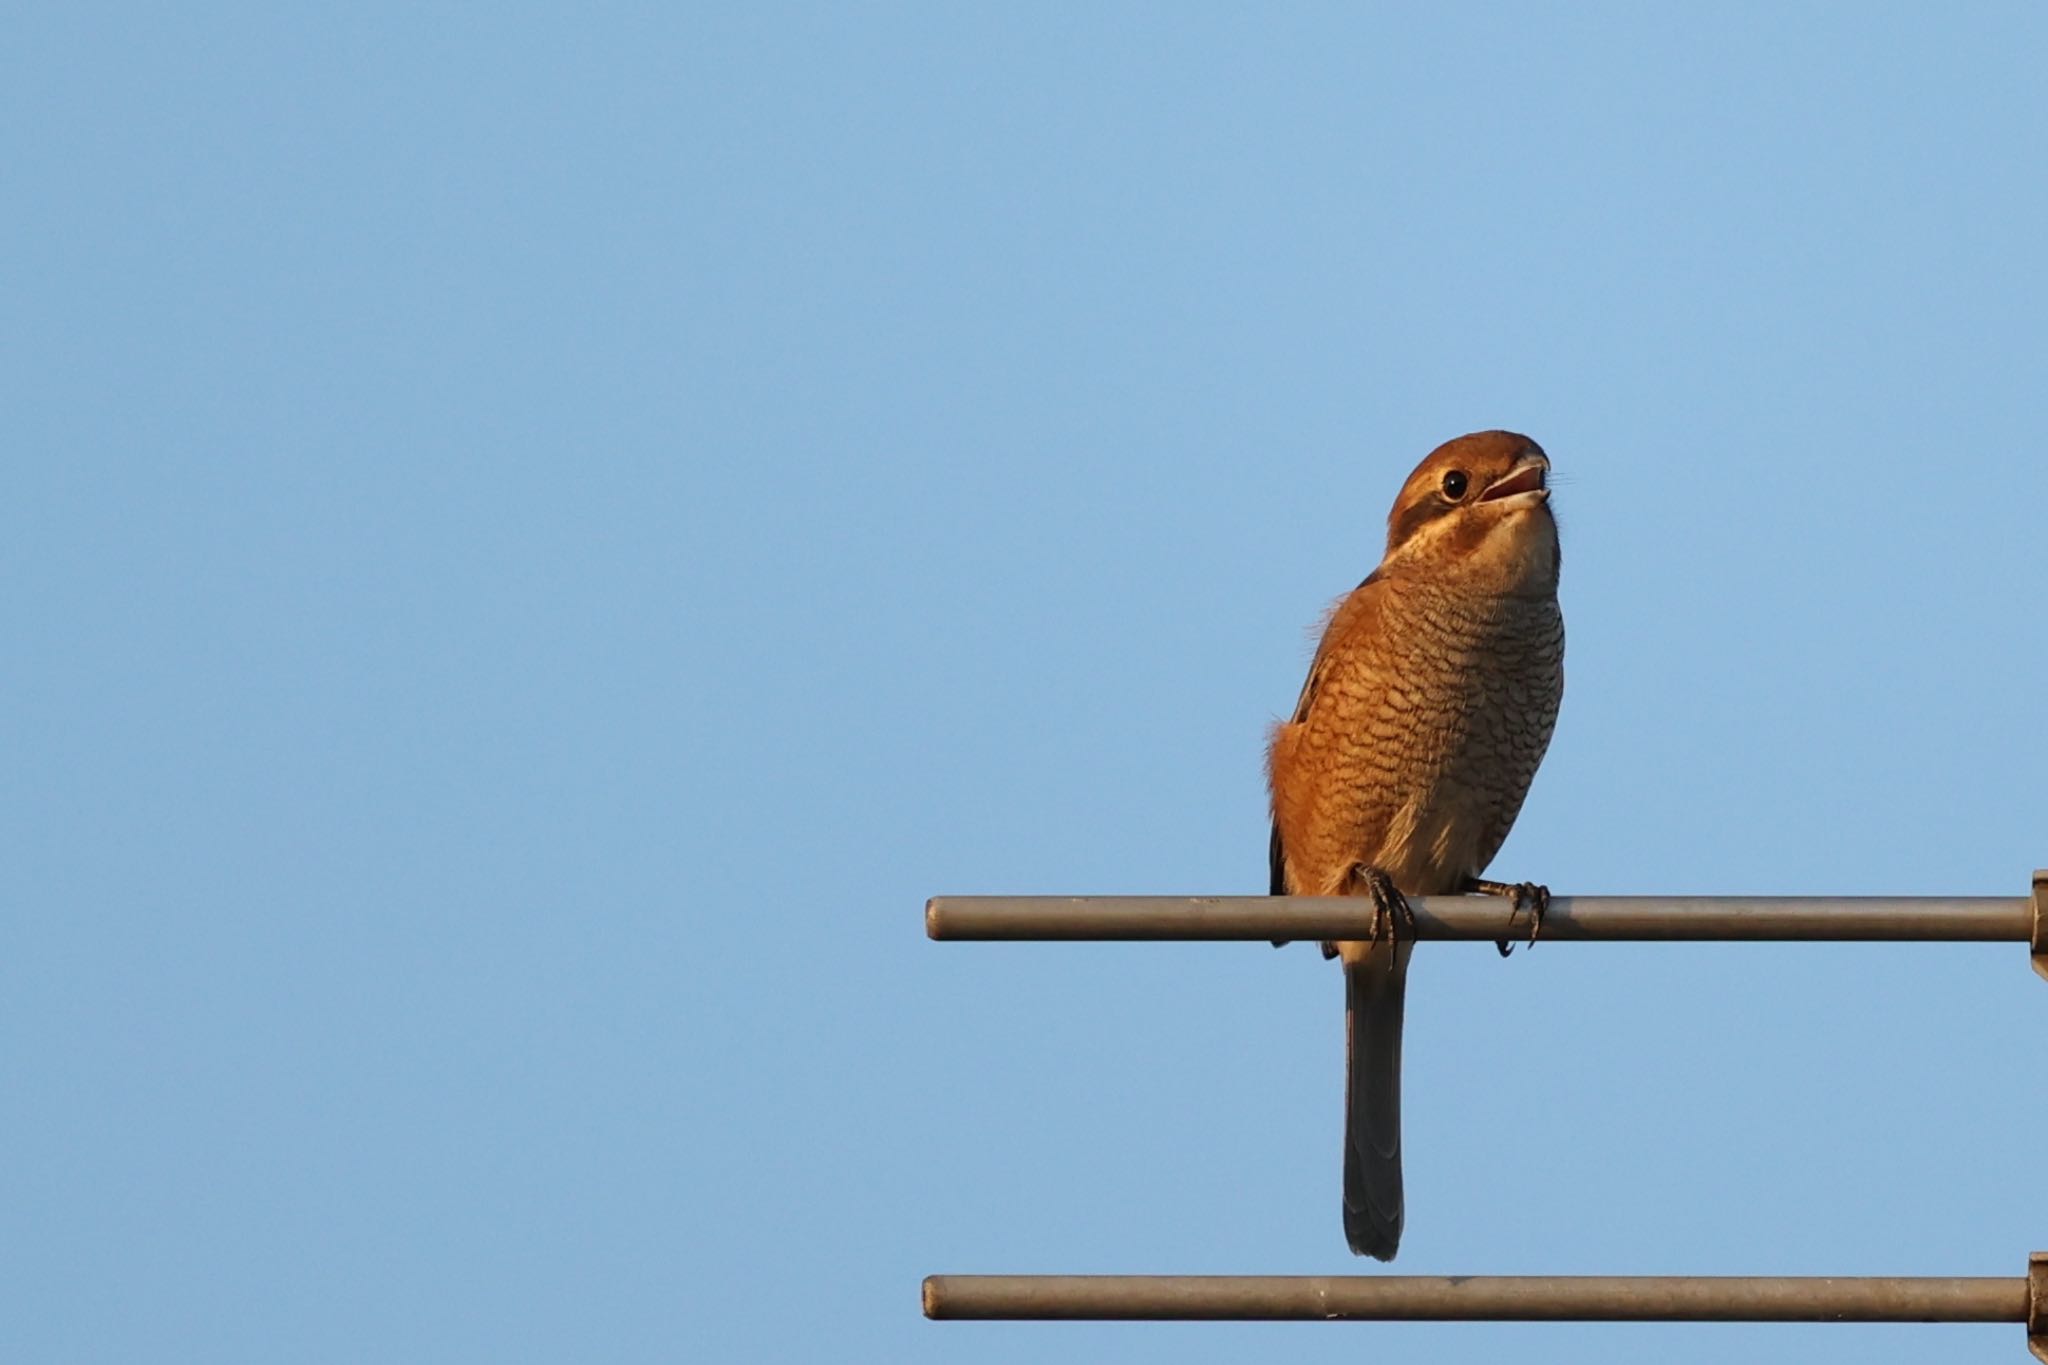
(1392, 916)
(1531, 896)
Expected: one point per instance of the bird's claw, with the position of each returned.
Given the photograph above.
(1531, 896)
(1538, 898)
(1392, 916)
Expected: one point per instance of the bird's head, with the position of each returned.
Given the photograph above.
(1477, 512)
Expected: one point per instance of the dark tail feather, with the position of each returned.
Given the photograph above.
(1372, 1104)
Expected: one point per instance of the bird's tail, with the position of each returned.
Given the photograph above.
(1372, 1102)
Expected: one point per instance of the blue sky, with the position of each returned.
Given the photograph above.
(536, 541)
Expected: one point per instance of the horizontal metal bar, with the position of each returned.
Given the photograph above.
(1479, 1298)
(1955, 919)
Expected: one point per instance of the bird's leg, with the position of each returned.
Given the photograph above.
(1535, 897)
(1391, 914)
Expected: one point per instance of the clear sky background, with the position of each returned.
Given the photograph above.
(534, 539)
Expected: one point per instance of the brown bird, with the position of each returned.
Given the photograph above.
(1426, 711)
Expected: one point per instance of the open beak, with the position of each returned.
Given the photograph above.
(1526, 477)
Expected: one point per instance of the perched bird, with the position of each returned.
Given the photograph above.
(1426, 711)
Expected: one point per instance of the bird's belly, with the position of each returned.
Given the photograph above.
(1432, 842)
(1433, 805)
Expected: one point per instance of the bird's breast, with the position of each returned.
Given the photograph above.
(1429, 729)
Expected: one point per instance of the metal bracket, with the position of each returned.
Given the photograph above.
(2037, 1264)
(2040, 929)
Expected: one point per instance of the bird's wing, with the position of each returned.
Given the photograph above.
(1334, 625)
(1348, 608)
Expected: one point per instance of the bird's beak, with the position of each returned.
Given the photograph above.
(1526, 477)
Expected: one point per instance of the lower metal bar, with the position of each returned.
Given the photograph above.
(1955, 919)
(1478, 1298)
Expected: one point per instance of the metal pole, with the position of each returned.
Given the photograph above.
(1478, 1298)
(1955, 919)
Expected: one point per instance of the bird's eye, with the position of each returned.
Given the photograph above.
(1454, 484)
